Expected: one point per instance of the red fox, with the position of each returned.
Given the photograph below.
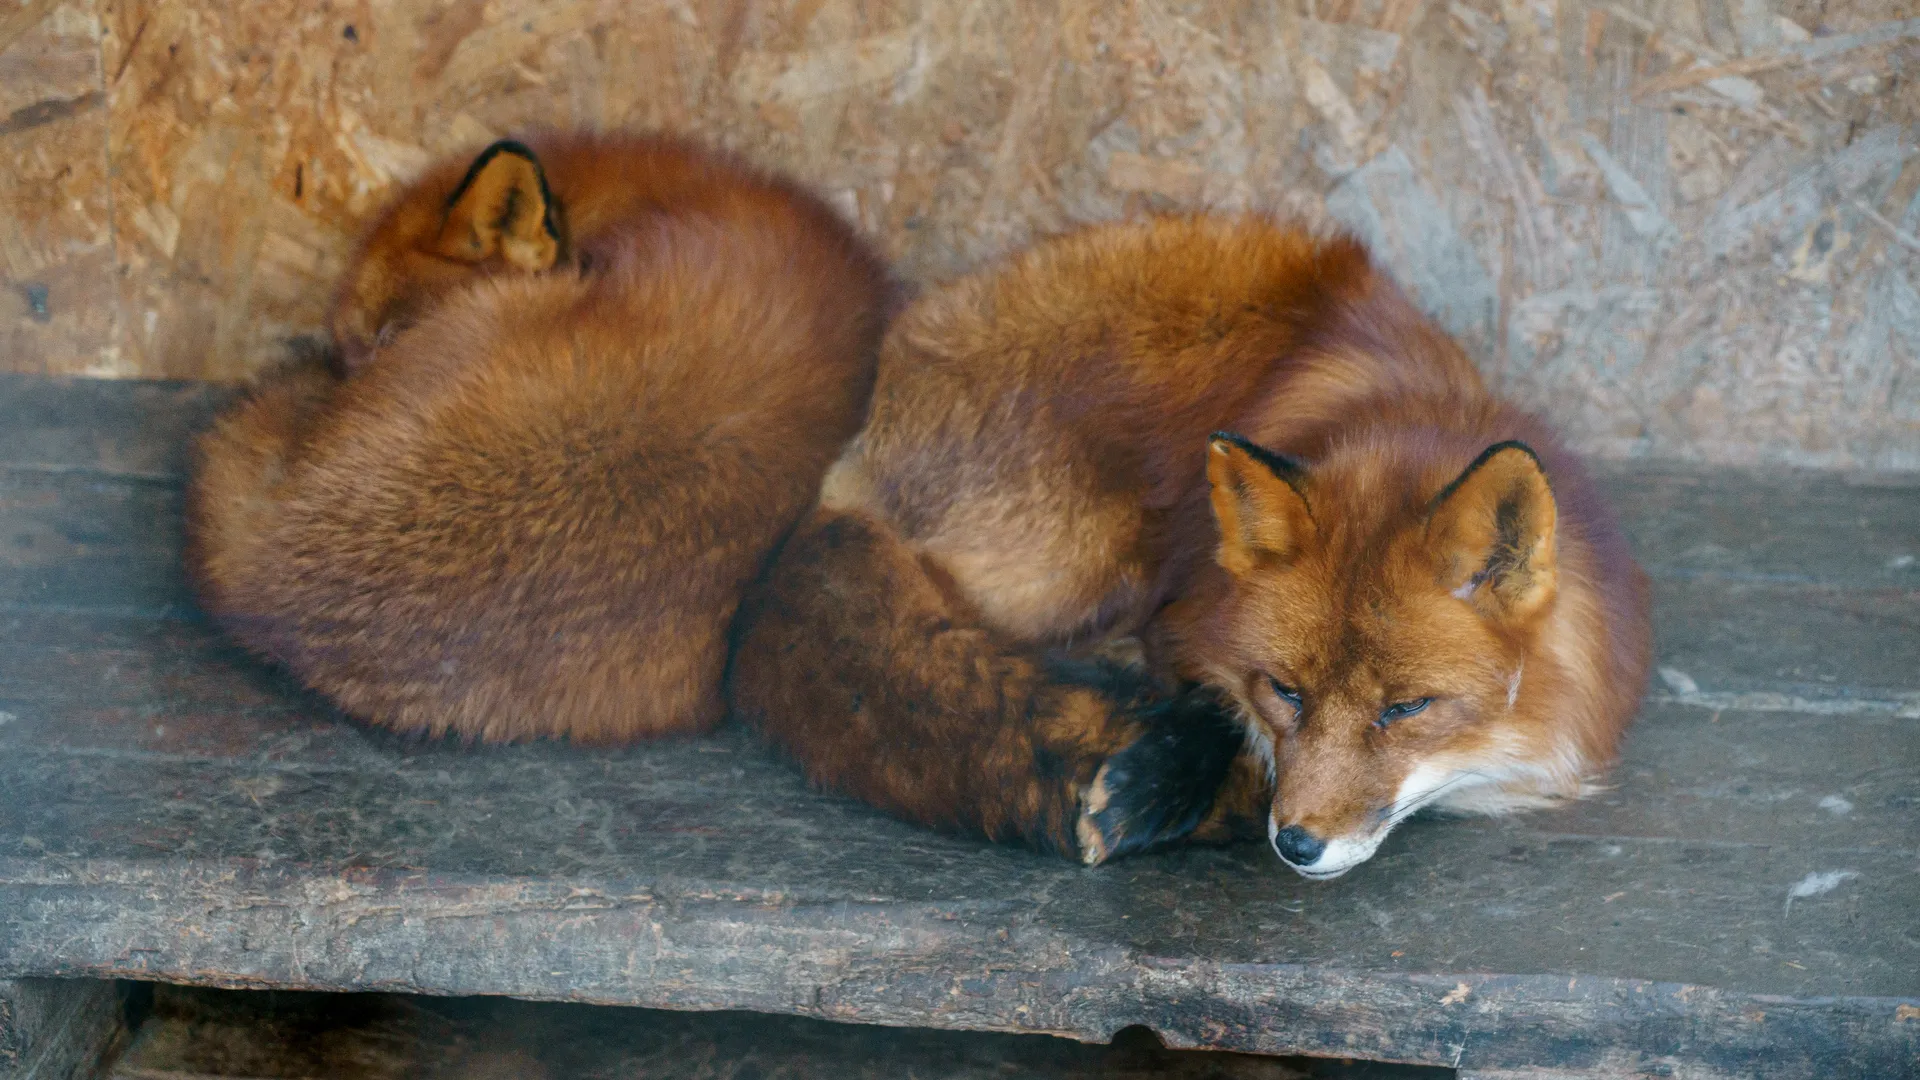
(588, 383)
(1362, 585)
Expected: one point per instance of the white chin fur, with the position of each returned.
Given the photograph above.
(1424, 786)
(1342, 854)
(1494, 789)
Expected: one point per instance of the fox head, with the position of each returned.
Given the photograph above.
(448, 230)
(1385, 636)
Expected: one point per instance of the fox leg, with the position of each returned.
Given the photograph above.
(885, 686)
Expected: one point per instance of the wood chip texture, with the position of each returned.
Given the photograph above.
(1685, 230)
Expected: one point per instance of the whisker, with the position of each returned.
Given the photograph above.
(1402, 808)
(1458, 779)
(1463, 779)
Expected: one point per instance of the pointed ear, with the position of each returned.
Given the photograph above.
(503, 208)
(1492, 531)
(1257, 502)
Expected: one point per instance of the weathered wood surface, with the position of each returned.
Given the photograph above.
(1679, 228)
(1744, 902)
(58, 1029)
(198, 1034)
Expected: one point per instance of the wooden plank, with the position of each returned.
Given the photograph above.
(196, 1034)
(525, 815)
(1780, 526)
(1831, 630)
(1771, 779)
(138, 429)
(58, 1029)
(1700, 774)
(62, 661)
(128, 685)
(725, 811)
(1046, 949)
(1740, 903)
(1786, 781)
(79, 540)
(1802, 642)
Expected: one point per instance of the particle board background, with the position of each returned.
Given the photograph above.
(1683, 228)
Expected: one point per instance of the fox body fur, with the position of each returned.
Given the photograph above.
(1362, 584)
(586, 385)
(1182, 526)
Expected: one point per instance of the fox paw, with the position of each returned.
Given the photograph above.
(1160, 786)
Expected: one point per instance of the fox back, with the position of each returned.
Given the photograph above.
(588, 386)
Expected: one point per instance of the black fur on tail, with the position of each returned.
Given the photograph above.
(887, 687)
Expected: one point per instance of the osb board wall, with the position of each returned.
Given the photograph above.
(1680, 227)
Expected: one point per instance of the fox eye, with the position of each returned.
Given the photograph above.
(1287, 693)
(1400, 710)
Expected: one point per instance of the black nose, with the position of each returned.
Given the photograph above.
(1298, 846)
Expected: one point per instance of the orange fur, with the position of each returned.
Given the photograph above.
(1033, 482)
(580, 409)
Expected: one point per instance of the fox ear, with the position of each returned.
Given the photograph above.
(1256, 501)
(1492, 529)
(503, 207)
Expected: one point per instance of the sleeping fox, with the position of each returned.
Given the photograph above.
(584, 387)
(1361, 584)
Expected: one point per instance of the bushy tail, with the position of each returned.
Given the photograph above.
(888, 688)
(232, 506)
(586, 594)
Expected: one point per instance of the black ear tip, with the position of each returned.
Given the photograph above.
(1511, 444)
(509, 147)
(1500, 448)
(1280, 464)
(1515, 445)
(513, 147)
(1487, 455)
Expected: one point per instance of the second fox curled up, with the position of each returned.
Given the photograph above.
(1183, 527)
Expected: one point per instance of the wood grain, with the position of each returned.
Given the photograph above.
(1739, 903)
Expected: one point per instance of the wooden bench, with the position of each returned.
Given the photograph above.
(1744, 902)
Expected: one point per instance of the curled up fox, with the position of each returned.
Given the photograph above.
(1179, 527)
